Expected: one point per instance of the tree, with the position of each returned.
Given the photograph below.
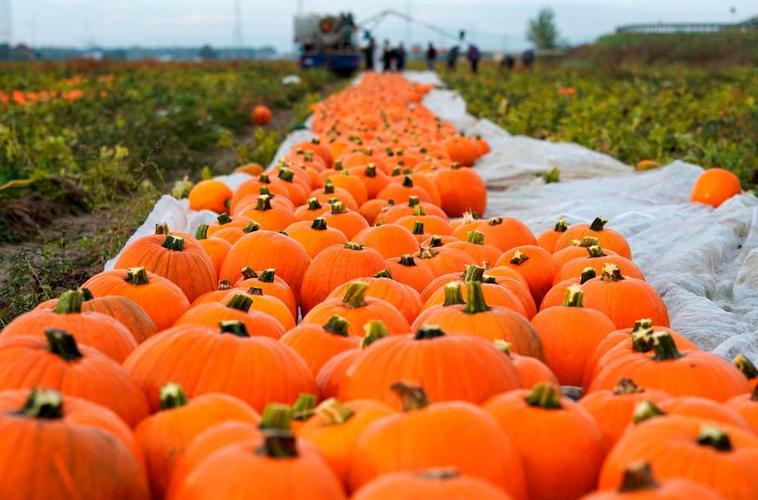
(207, 52)
(543, 32)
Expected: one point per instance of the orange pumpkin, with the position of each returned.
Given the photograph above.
(461, 190)
(315, 236)
(596, 259)
(267, 216)
(269, 284)
(503, 233)
(638, 482)
(237, 307)
(607, 238)
(390, 240)
(548, 238)
(211, 195)
(382, 286)
(715, 186)
(261, 115)
(349, 223)
(433, 483)
(474, 245)
(535, 264)
(317, 344)
(215, 248)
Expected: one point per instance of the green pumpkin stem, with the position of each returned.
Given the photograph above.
(241, 302)
(251, 227)
(475, 303)
(384, 273)
(276, 416)
(370, 170)
(172, 395)
(453, 294)
(407, 181)
(413, 201)
(303, 408)
(475, 237)
(503, 346)
(598, 224)
(137, 276)
(334, 412)
(264, 179)
(337, 325)
(418, 227)
(427, 332)
(545, 396)
(561, 226)
(202, 232)
(665, 347)
(588, 273)
(62, 344)
(595, 251)
(175, 243)
(253, 290)
(314, 204)
(233, 327)
(574, 296)
(70, 302)
(265, 191)
(518, 258)
(626, 386)
(638, 477)
(223, 219)
(585, 242)
(418, 210)
(352, 245)
(645, 410)
(374, 330)
(328, 187)
(248, 272)
(355, 294)
(746, 366)
(278, 444)
(267, 275)
(286, 175)
(43, 404)
(407, 260)
(263, 203)
(319, 224)
(473, 273)
(715, 438)
(412, 397)
(224, 285)
(161, 228)
(611, 273)
(435, 241)
(338, 208)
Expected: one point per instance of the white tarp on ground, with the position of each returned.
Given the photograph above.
(704, 262)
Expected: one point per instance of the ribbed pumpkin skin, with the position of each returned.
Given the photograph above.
(123, 309)
(549, 440)
(190, 268)
(671, 489)
(412, 486)
(337, 440)
(625, 301)
(314, 240)
(89, 328)
(532, 371)
(165, 435)
(330, 375)
(161, 299)
(212, 313)
(240, 468)
(264, 370)
(415, 276)
(334, 266)
(359, 316)
(670, 445)
(278, 288)
(504, 233)
(455, 200)
(26, 362)
(707, 409)
(390, 240)
(264, 250)
(569, 335)
(449, 368)
(403, 297)
(317, 345)
(107, 463)
(216, 249)
(538, 269)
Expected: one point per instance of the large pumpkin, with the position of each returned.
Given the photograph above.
(383, 286)
(433, 483)
(607, 238)
(639, 482)
(317, 344)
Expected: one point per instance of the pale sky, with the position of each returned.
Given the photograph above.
(493, 24)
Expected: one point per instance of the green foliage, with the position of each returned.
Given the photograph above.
(707, 117)
(542, 31)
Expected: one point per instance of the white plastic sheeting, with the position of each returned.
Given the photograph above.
(704, 262)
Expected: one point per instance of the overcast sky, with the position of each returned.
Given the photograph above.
(494, 24)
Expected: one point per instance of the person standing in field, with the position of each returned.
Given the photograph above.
(386, 56)
(473, 57)
(368, 53)
(431, 56)
(400, 55)
(452, 57)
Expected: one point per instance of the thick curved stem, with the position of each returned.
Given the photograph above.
(202, 232)
(475, 237)
(43, 404)
(175, 243)
(374, 330)
(355, 294)
(62, 344)
(172, 395)
(240, 302)
(574, 296)
(319, 224)
(303, 408)
(645, 410)
(475, 303)
(137, 276)
(626, 386)
(334, 412)
(715, 438)
(546, 396)
(427, 332)
(561, 226)
(598, 224)
(588, 273)
(70, 302)
(267, 275)
(453, 295)
(337, 325)
(237, 328)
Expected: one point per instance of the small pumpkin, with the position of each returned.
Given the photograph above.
(549, 237)
(315, 235)
(215, 248)
(347, 221)
(714, 186)
(607, 238)
(235, 308)
(535, 264)
(383, 286)
(210, 194)
(461, 190)
(432, 483)
(390, 240)
(638, 482)
(317, 344)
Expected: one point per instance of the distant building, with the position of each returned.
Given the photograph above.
(657, 28)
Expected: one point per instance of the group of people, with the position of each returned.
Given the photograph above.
(393, 58)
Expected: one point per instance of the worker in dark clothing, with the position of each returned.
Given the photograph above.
(431, 56)
(473, 57)
(527, 58)
(508, 62)
(400, 57)
(386, 56)
(368, 53)
(452, 57)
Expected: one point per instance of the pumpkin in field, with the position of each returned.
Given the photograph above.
(215, 248)
(315, 235)
(531, 371)
(261, 115)
(382, 286)
(475, 246)
(503, 233)
(606, 237)
(334, 266)
(596, 259)
(165, 435)
(107, 464)
(211, 195)
(79, 371)
(719, 456)
(347, 221)
(335, 427)
(638, 481)
(569, 334)
(159, 297)
(265, 369)
(706, 409)
(250, 168)
(427, 435)
(461, 190)
(548, 238)
(390, 240)
(747, 406)
(181, 259)
(235, 308)
(432, 483)
(535, 264)
(547, 430)
(406, 270)
(494, 293)
(270, 284)
(268, 216)
(401, 191)
(358, 310)
(317, 344)
(448, 367)
(715, 186)
(269, 305)
(90, 328)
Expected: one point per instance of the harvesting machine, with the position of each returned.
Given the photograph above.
(327, 41)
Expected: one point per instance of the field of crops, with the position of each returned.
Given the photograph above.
(707, 117)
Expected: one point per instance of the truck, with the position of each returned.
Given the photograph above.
(328, 41)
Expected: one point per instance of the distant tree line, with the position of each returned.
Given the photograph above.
(23, 52)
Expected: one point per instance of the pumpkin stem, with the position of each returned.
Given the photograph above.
(611, 273)
(223, 219)
(473, 273)
(413, 397)
(746, 366)
(351, 245)
(440, 474)
(645, 410)
(574, 296)
(407, 260)
(267, 275)
(137, 276)
(588, 273)
(598, 224)
(435, 242)
(475, 303)
(70, 302)
(175, 243)
(319, 224)
(413, 201)
(241, 302)
(665, 347)
(384, 273)
(264, 179)
(264, 190)
(418, 210)
(503, 346)
(161, 228)
(453, 295)
(172, 395)
(224, 285)
(626, 386)
(334, 412)
(407, 181)
(248, 272)
(337, 325)
(263, 203)
(202, 232)
(278, 444)
(314, 204)
(234, 327)
(586, 241)
(418, 227)
(254, 291)
(303, 408)
(86, 294)
(475, 237)
(338, 208)
(427, 332)
(545, 396)
(715, 438)
(43, 403)
(286, 174)
(495, 221)
(251, 227)
(370, 170)
(355, 294)
(374, 330)
(276, 416)
(638, 477)
(561, 226)
(595, 251)
(328, 187)
(63, 344)
(518, 258)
